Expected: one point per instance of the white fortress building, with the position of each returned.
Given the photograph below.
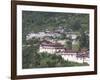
(67, 54)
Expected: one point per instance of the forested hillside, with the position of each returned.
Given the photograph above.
(39, 21)
(33, 21)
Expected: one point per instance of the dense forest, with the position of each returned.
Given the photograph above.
(35, 21)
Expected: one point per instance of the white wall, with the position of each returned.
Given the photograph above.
(5, 32)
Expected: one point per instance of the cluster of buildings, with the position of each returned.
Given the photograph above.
(67, 54)
(51, 46)
(54, 33)
(50, 35)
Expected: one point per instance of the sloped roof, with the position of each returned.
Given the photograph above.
(51, 44)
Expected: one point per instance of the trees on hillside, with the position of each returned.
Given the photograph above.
(34, 21)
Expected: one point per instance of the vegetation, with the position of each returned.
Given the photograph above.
(42, 60)
(39, 21)
(32, 59)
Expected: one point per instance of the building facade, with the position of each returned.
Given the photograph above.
(67, 54)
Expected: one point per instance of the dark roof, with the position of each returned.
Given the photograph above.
(45, 42)
(51, 44)
(82, 55)
(70, 51)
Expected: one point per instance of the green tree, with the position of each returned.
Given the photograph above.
(76, 26)
(84, 40)
(68, 43)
